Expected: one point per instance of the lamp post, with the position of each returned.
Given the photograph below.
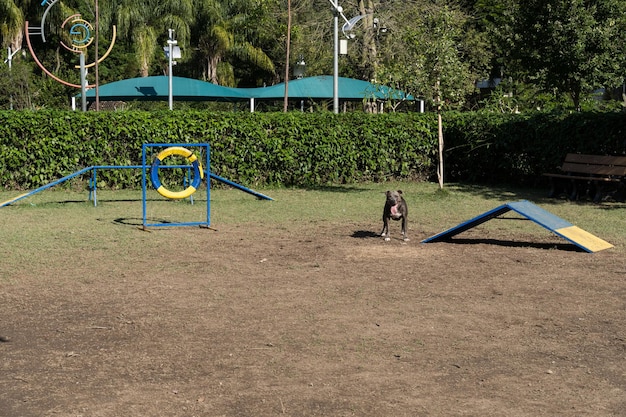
(171, 52)
(348, 26)
(298, 72)
(10, 56)
(83, 82)
(300, 68)
(337, 11)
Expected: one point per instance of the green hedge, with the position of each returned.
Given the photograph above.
(250, 148)
(487, 147)
(302, 149)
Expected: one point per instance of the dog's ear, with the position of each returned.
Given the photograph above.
(399, 191)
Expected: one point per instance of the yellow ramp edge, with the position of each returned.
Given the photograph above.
(583, 238)
(4, 203)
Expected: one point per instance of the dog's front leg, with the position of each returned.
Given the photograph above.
(385, 231)
(404, 229)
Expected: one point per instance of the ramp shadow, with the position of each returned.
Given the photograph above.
(569, 247)
(364, 234)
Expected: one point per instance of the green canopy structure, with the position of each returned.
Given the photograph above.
(157, 88)
(321, 87)
(187, 89)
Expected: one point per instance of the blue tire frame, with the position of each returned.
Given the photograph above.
(195, 163)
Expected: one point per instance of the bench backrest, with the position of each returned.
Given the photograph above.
(595, 164)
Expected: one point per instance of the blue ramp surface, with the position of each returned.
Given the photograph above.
(544, 218)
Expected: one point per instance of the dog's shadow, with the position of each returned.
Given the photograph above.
(365, 234)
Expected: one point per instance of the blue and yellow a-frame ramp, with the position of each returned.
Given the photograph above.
(560, 227)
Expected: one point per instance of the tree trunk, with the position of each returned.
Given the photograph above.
(286, 101)
(212, 62)
(369, 59)
(576, 97)
(440, 135)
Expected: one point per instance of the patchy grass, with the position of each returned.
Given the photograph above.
(429, 208)
(295, 307)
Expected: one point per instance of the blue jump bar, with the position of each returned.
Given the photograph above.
(97, 167)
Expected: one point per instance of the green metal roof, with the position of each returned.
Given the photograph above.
(187, 89)
(321, 87)
(157, 88)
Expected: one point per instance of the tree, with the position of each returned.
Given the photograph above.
(143, 22)
(15, 90)
(434, 64)
(11, 30)
(226, 31)
(369, 57)
(570, 46)
(11, 24)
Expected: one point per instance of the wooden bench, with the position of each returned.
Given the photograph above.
(599, 174)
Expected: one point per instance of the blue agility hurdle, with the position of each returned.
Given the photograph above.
(198, 170)
(45, 187)
(195, 163)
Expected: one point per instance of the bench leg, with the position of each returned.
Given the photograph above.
(574, 193)
(620, 194)
(552, 193)
(610, 192)
(563, 188)
(598, 194)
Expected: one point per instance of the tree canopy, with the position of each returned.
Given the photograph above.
(556, 48)
(571, 46)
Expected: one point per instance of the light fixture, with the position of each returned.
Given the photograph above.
(300, 68)
(171, 52)
(337, 11)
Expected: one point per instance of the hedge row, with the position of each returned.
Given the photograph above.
(517, 149)
(302, 149)
(249, 148)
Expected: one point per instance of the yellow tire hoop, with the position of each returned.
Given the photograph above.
(198, 173)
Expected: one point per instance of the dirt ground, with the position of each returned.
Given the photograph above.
(315, 319)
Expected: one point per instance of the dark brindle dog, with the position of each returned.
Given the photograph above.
(396, 209)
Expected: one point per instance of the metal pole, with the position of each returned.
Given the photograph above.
(97, 57)
(337, 11)
(83, 82)
(144, 194)
(9, 60)
(170, 42)
(336, 62)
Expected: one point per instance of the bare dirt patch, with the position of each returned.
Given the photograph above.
(315, 319)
